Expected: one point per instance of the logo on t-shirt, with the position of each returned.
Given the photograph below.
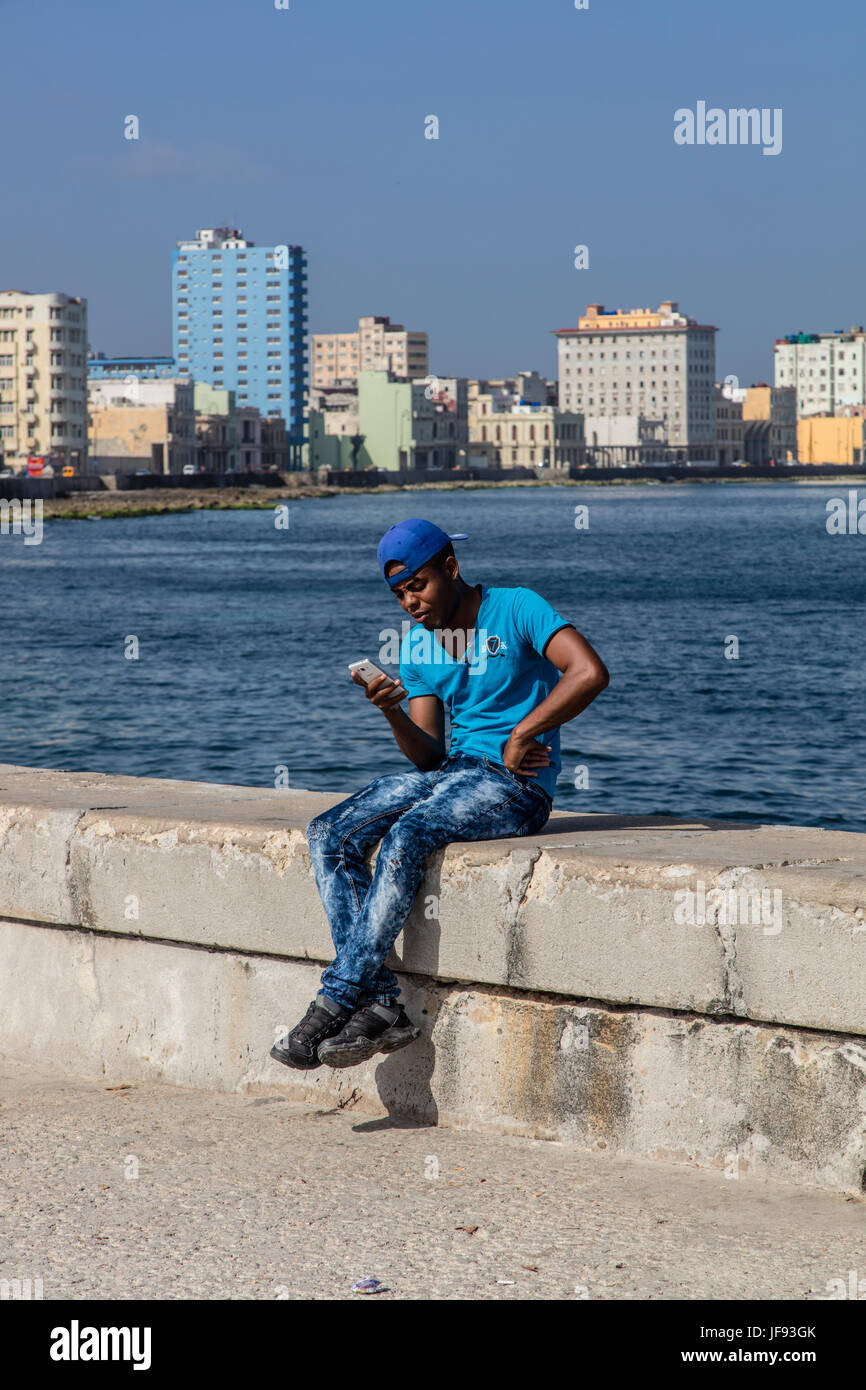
(426, 647)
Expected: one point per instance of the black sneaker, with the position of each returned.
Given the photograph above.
(299, 1048)
(371, 1029)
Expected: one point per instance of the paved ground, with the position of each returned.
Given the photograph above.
(246, 1198)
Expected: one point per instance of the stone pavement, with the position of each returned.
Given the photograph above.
(163, 1192)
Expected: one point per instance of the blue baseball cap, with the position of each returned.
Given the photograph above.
(413, 543)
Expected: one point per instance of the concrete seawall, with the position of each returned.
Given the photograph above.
(686, 990)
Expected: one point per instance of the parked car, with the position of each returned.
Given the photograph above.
(188, 468)
(142, 473)
(67, 471)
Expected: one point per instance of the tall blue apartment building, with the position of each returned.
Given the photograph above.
(239, 321)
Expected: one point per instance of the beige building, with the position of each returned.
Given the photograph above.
(652, 363)
(512, 426)
(147, 424)
(729, 426)
(378, 346)
(246, 441)
(528, 437)
(230, 436)
(43, 378)
(769, 423)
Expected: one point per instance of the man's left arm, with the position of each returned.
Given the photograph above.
(584, 675)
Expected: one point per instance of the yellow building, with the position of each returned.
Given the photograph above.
(831, 439)
(769, 423)
(666, 315)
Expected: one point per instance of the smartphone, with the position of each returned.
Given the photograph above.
(368, 671)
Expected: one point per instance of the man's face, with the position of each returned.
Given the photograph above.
(429, 595)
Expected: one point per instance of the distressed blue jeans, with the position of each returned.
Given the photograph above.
(413, 813)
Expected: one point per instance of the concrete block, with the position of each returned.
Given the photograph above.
(738, 1097)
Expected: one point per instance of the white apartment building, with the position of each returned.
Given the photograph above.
(655, 363)
(827, 370)
(43, 378)
(378, 346)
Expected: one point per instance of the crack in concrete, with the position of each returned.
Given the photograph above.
(515, 963)
(733, 990)
(71, 884)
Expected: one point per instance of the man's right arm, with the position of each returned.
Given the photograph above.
(420, 734)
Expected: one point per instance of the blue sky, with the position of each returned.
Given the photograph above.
(306, 126)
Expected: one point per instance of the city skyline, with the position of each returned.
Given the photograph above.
(470, 236)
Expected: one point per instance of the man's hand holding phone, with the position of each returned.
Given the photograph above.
(385, 693)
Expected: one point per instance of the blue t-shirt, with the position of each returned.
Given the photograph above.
(500, 678)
